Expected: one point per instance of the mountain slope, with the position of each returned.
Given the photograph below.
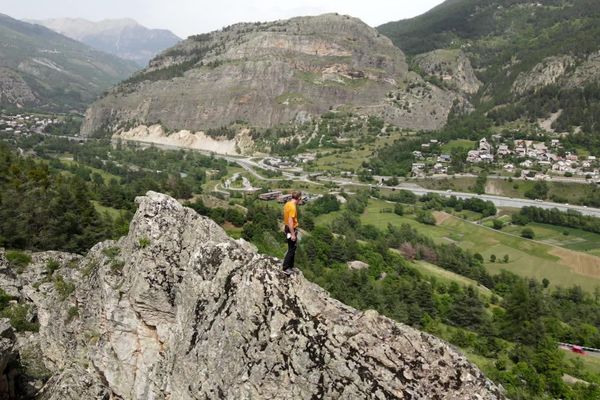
(179, 310)
(41, 68)
(124, 38)
(518, 48)
(273, 73)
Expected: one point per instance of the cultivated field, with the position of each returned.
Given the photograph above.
(561, 266)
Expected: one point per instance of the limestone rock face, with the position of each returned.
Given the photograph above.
(178, 310)
(269, 74)
(452, 67)
(8, 353)
(14, 89)
(549, 71)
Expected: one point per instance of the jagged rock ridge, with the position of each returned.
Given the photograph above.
(268, 74)
(178, 310)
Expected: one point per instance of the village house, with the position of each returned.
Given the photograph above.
(418, 169)
(417, 154)
(444, 158)
(440, 169)
(484, 146)
(540, 147)
(487, 158)
(572, 157)
(306, 157)
(473, 156)
(503, 150)
(526, 164)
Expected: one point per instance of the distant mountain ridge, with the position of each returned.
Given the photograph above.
(124, 38)
(43, 69)
(271, 73)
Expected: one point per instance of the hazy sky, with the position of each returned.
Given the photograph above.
(188, 17)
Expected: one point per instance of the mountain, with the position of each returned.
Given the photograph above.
(177, 309)
(43, 69)
(124, 38)
(534, 58)
(267, 74)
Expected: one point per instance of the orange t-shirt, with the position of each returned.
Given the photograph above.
(289, 211)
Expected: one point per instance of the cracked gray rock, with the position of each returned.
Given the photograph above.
(179, 310)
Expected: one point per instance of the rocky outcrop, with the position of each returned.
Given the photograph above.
(178, 310)
(564, 71)
(241, 143)
(8, 354)
(549, 71)
(451, 67)
(269, 74)
(14, 90)
(586, 72)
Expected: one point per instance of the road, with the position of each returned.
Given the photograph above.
(499, 201)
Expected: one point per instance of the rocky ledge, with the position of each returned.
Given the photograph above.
(178, 310)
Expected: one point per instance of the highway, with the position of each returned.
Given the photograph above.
(499, 201)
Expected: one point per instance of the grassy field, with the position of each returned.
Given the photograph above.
(564, 191)
(447, 276)
(458, 143)
(569, 238)
(105, 175)
(560, 266)
(344, 160)
(590, 363)
(113, 212)
(351, 159)
(463, 184)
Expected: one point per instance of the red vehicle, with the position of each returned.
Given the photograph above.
(577, 349)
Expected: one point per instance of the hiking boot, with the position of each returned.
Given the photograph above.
(290, 271)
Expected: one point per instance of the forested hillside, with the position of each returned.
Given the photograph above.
(42, 69)
(534, 57)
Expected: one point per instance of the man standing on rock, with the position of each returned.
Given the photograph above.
(290, 220)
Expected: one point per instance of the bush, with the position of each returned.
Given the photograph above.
(17, 314)
(18, 260)
(51, 266)
(527, 233)
(398, 209)
(72, 313)
(63, 288)
(425, 217)
(143, 242)
(497, 224)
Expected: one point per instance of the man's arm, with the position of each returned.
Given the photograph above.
(290, 224)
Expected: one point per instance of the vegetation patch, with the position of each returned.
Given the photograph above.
(18, 260)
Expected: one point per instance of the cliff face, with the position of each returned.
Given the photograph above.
(268, 74)
(452, 67)
(178, 310)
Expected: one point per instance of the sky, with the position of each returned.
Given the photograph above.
(189, 17)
